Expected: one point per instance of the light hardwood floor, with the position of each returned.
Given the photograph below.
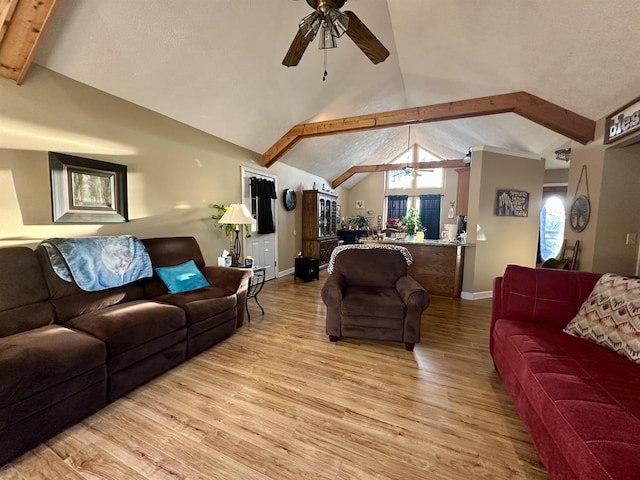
(278, 401)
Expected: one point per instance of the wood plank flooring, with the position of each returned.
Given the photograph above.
(278, 401)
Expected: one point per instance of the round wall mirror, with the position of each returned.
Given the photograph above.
(289, 199)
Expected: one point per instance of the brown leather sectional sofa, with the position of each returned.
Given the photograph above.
(66, 353)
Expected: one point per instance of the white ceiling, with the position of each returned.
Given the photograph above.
(216, 65)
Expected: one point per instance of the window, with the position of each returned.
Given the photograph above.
(432, 178)
(552, 218)
(397, 206)
(430, 215)
(398, 178)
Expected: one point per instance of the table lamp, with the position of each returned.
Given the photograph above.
(236, 215)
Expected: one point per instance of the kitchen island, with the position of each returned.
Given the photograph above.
(437, 265)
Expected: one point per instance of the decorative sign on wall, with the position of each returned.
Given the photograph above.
(623, 122)
(512, 203)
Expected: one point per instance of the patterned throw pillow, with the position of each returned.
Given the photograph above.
(610, 316)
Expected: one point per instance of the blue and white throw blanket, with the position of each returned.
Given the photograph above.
(99, 263)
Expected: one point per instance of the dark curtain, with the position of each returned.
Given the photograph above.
(264, 191)
(397, 206)
(430, 215)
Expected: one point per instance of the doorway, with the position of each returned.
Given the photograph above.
(262, 247)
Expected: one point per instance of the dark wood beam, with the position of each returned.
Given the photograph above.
(21, 25)
(549, 115)
(389, 167)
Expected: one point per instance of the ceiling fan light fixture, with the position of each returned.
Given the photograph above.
(327, 39)
(310, 25)
(339, 22)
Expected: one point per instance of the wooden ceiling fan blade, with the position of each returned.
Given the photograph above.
(296, 49)
(365, 40)
(313, 4)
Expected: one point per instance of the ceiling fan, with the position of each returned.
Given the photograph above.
(332, 23)
(407, 170)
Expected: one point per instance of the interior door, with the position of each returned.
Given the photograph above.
(262, 247)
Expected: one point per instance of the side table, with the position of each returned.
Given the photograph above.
(255, 287)
(307, 268)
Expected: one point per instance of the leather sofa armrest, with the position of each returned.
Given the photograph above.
(333, 289)
(412, 292)
(227, 277)
(233, 279)
(332, 293)
(416, 299)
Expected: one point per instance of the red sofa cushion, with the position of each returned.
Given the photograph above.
(581, 399)
(542, 295)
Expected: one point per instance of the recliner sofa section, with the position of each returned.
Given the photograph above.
(51, 376)
(212, 313)
(65, 353)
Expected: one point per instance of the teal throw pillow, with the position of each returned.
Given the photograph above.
(182, 278)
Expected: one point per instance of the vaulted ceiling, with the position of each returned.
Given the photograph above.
(216, 65)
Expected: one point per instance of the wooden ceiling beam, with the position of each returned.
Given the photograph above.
(558, 119)
(538, 110)
(7, 7)
(389, 167)
(21, 25)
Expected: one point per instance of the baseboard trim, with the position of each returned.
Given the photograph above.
(284, 273)
(476, 295)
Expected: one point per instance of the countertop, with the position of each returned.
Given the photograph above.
(433, 243)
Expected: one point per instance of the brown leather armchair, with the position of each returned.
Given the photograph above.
(369, 295)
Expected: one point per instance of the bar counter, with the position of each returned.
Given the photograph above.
(437, 265)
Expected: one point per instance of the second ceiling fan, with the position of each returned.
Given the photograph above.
(332, 23)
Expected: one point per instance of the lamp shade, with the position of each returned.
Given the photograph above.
(237, 214)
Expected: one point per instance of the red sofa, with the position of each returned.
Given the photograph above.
(579, 401)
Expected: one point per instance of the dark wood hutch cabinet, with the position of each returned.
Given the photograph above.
(319, 224)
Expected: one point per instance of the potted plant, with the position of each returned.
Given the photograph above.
(361, 222)
(412, 221)
(396, 224)
(395, 228)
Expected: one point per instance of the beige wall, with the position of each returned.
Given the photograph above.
(371, 190)
(618, 212)
(613, 172)
(500, 241)
(174, 172)
(556, 176)
(592, 156)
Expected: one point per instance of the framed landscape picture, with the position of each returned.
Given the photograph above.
(87, 191)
